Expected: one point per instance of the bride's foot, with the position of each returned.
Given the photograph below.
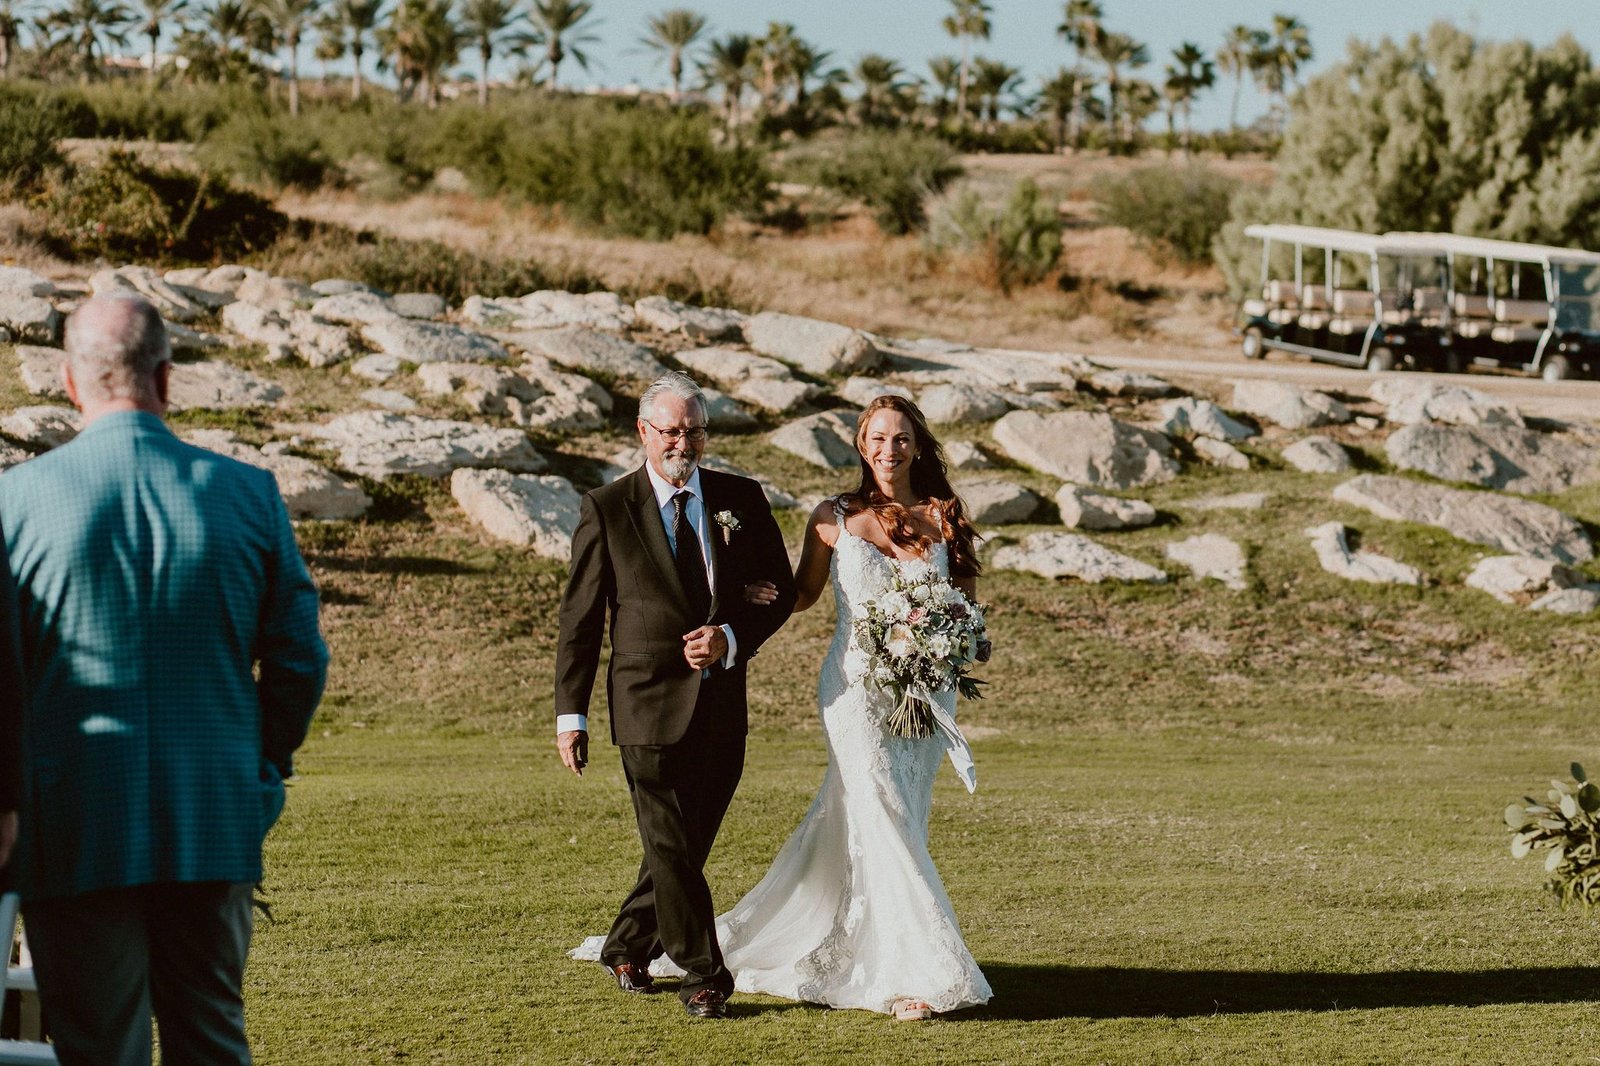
(911, 1010)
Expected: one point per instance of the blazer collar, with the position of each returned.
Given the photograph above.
(645, 512)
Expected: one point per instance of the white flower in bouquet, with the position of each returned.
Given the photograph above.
(939, 645)
(896, 605)
(901, 643)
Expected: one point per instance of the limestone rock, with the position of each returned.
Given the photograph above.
(1130, 383)
(964, 455)
(380, 444)
(827, 440)
(1220, 453)
(1574, 601)
(340, 286)
(593, 352)
(376, 368)
(29, 319)
(186, 341)
(308, 490)
(1070, 555)
(699, 324)
(961, 403)
(1411, 401)
(1211, 555)
(1505, 577)
(1330, 541)
(1087, 448)
(1188, 417)
(550, 309)
(1317, 455)
(419, 305)
(218, 387)
(282, 295)
(723, 411)
(353, 308)
(861, 391)
(534, 512)
(227, 279)
(537, 396)
(431, 342)
(171, 301)
(1515, 525)
(1238, 501)
(1083, 508)
(1286, 405)
(389, 400)
(40, 370)
(817, 347)
(42, 426)
(997, 503)
(19, 281)
(752, 379)
(289, 332)
(1496, 457)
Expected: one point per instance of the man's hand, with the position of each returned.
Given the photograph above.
(574, 748)
(705, 646)
(8, 835)
(760, 593)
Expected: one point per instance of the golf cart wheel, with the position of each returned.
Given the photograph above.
(1556, 368)
(1253, 346)
(1381, 361)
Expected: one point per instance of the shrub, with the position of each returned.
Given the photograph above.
(1176, 211)
(266, 149)
(124, 209)
(29, 134)
(1021, 240)
(1567, 826)
(395, 264)
(893, 172)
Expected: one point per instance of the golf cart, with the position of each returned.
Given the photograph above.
(1532, 308)
(1350, 298)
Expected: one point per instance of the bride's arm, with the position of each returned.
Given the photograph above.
(816, 552)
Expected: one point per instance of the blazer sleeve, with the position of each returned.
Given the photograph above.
(591, 586)
(11, 695)
(753, 625)
(292, 657)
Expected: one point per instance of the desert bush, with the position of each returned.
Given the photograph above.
(124, 209)
(892, 172)
(396, 264)
(266, 149)
(1020, 240)
(1566, 825)
(1174, 210)
(30, 131)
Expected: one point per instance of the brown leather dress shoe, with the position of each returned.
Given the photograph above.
(707, 1003)
(631, 978)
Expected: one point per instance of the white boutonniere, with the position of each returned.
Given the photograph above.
(729, 523)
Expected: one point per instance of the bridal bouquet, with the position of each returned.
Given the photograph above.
(921, 635)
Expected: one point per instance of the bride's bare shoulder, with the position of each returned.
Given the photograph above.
(826, 518)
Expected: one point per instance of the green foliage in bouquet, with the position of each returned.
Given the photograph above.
(1565, 824)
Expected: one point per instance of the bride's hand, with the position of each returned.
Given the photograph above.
(760, 593)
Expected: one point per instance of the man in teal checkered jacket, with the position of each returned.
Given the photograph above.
(171, 663)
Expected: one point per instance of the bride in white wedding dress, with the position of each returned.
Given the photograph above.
(853, 912)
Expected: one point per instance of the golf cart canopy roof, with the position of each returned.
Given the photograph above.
(1506, 251)
(1344, 240)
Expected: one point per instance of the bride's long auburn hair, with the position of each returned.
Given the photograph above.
(929, 480)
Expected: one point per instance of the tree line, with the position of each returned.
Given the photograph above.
(776, 78)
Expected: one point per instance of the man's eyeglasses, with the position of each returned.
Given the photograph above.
(694, 434)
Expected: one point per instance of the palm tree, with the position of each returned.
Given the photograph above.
(1192, 72)
(290, 18)
(968, 20)
(556, 21)
(672, 33)
(91, 26)
(330, 46)
(1139, 101)
(1059, 96)
(1080, 27)
(778, 57)
(423, 41)
(1286, 48)
(991, 80)
(1240, 52)
(807, 63)
(352, 20)
(156, 14)
(486, 23)
(727, 67)
(1118, 50)
(11, 15)
(879, 78)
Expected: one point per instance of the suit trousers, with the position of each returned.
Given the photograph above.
(680, 793)
(104, 960)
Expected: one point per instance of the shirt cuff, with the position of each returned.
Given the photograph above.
(733, 648)
(566, 723)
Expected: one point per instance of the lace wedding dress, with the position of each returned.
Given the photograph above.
(853, 912)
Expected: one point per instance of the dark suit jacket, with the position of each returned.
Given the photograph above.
(622, 563)
(10, 691)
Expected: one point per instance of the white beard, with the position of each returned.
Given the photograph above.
(678, 467)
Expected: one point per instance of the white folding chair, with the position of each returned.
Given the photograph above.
(34, 1052)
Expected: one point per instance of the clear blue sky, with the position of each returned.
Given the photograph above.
(1024, 31)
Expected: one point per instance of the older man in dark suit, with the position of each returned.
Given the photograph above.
(667, 551)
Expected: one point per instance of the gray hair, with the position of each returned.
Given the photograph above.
(670, 384)
(115, 343)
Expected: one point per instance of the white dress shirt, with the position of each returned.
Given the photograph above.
(694, 512)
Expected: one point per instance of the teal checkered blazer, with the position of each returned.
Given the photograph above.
(171, 659)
